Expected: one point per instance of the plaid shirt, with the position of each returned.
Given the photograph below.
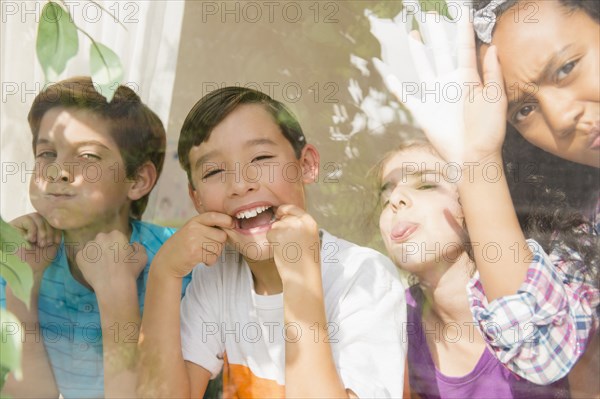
(540, 332)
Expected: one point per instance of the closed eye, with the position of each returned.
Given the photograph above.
(46, 154)
(262, 158)
(427, 186)
(211, 173)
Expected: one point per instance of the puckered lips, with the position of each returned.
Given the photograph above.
(59, 195)
(254, 218)
(403, 230)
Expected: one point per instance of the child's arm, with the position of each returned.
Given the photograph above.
(309, 367)
(113, 276)
(487, 205)
(38, 379)
(164, 373)
(540, 332)
(532, 332)
(360, 350)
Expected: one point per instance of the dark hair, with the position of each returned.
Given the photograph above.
(135, 128)
(590, 7)
(554, 199)
(211, 109)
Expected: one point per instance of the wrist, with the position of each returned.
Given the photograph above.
(38, 276)
(300, 282)
(117, 289)
(487, 169)
(169, 266)
(118, 303)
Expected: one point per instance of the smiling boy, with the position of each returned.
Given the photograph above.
(285, 308)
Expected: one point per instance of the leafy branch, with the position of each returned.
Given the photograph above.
(58, 42)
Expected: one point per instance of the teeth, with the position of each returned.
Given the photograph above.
(250, 213)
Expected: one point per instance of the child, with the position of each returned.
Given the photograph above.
(95, 165)
(558, 117)
(559, 114)
(551, 310)
(285, 309)
(423, 227)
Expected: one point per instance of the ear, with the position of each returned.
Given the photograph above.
(143, 181)
(309, 161)
(195, 197)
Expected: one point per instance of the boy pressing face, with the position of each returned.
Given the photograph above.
(80, 184)
(95, 165)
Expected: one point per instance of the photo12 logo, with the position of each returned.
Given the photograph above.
(120, 12)
(270, 11)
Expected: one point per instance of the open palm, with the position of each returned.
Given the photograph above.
(462, 116)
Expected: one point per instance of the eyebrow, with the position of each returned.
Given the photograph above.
(204, 158)
(549, 67)
(249, 143)
(256, 142)
(78, 144)
(42, 141)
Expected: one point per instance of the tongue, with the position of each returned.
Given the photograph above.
(261, 219)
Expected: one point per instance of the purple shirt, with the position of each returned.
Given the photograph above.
(489, 379)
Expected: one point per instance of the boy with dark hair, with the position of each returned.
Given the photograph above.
(95, 165)
(283, 308)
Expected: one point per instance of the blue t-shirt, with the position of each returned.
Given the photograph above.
(70, 320)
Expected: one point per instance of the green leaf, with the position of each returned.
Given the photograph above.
(386, 9)
(57, 40)
(106, 70)
(10, 345)
(3, 375)
(17, 273)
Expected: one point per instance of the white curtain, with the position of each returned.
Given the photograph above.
(147, 44)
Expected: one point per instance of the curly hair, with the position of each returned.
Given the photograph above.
(554, 199)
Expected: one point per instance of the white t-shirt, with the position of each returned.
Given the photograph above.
(221, 315)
